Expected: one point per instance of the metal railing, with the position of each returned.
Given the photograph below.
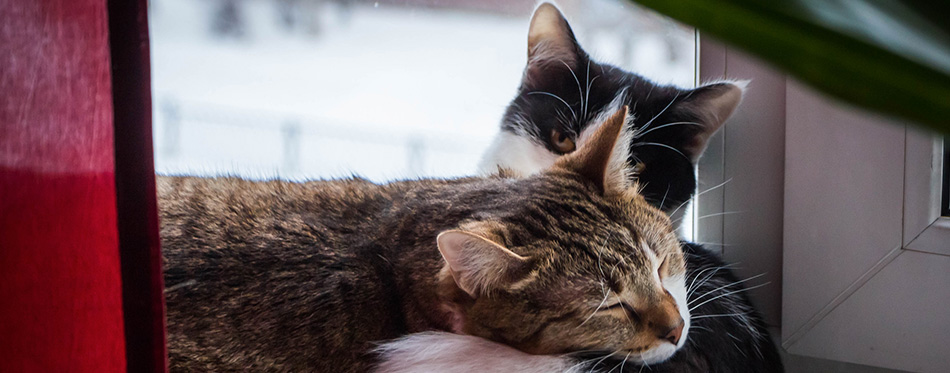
(177, 117)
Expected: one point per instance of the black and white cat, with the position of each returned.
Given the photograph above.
(563, 91)
(562, 94)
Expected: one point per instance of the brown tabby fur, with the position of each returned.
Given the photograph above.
(283, 276)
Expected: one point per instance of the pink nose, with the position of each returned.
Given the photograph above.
(673, 334)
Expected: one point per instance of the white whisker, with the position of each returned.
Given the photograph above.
(643, 133)
(599, 361)
(725, 286)
(691, 289)
(557, 97)
(719, 315)
(719, 214)
(680, 206)
(664, 196)
(717, 186)
(604, 301)
(647, 125)
(663, 145)
(728, 293)
(580, 92)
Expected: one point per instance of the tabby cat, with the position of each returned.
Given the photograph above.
(564, 92)
(282, 276)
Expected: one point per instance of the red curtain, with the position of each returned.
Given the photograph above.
(80, 281)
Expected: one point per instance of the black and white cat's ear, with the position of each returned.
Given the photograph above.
(712, 105)
(477, 264)
(551, 42)
(602, 158)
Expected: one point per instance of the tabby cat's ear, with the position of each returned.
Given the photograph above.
(479, 265)
(603, 157)
(551, 43)
(712, 104)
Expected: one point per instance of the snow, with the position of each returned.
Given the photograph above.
(381, 91)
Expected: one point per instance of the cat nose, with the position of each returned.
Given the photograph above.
(673, 334)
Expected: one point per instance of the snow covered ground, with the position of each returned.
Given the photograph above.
(381, 91)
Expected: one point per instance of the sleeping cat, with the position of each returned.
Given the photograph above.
(562, 94)
(283, 276)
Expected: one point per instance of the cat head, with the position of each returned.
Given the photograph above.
(563, 92)
(575, 260)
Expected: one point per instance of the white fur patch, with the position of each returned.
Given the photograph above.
(676, 285)
(447, 352)
(516, 152)
(520, 152)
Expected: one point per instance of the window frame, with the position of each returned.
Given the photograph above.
(945, 200)
(926, 229)
(828, 217)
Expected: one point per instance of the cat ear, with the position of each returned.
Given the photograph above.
(603, 156)
(551, 42)
(478, 264)
(712, 104)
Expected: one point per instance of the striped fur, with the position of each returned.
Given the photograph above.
(283, 276)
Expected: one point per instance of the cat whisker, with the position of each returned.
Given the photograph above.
(604, 301)
(600, 361)
(677, 220)
(690, 294)
(647, 125)
(727, 285)
(557, 97)
(664, 146)
(713, 243)
(582, 360)
(719, 214)
(585, 102)
(691, 289)
(580, 92)
(563, 117)
(639, 134)
(664, 195)
(720, 185)
(728, 293)
(624, 362)
(718, 315)
(681, 206)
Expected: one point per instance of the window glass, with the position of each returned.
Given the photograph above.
(382, 89)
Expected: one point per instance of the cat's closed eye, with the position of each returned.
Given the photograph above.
(622, 307)
(562, 142)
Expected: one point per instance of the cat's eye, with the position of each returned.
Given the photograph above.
(562, 142)
(628, 310)
(614, 306)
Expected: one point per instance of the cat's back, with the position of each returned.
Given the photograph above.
(234, 198)
(247, 261)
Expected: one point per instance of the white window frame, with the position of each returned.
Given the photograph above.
(863, 260)
(925, 230)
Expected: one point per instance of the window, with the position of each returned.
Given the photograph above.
(382, 89)
(866, 252)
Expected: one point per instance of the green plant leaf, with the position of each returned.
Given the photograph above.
(889, 56)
